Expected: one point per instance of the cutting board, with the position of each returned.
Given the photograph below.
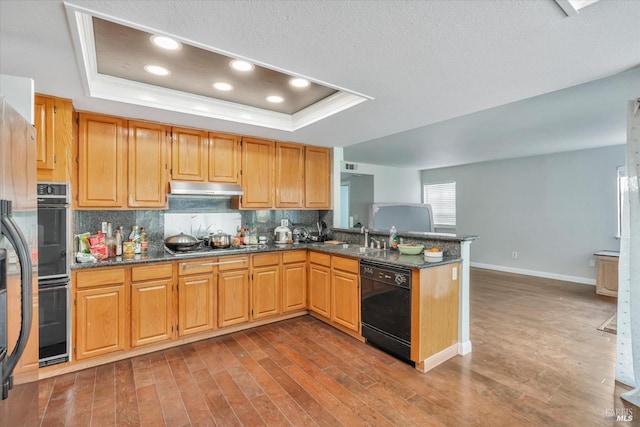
(333, 242)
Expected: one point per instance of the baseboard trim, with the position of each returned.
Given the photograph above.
(464, 348)
(543, 274)
(437, 359)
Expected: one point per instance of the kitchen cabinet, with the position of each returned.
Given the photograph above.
(224, 158)
(152, 311)
(197, 302)
(189, 150)
(434, 315)
(147, 164)
(607, 275)
(53, 120)
(265, 286)
(101, 161)
(317, 177)
(345, 293)
(289, 175)
(320, 284)
(100, 312)
(257, 174)
(294, 281)
(233, 291)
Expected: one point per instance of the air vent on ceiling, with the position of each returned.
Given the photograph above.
(350, 166)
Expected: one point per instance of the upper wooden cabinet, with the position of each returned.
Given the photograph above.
(101, 161)
(189, 154)
(224, 158)
(317, 178)
(257, 173)
(289, 175)
(147, 150)
(53, 120)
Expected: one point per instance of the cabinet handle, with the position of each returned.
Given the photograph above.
(208, 264)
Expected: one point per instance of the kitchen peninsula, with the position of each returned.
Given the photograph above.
(127, 307)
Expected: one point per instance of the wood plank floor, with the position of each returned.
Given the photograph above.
(537, 360)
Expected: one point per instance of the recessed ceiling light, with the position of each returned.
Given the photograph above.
(222, 86)
(157, 70)
(275, 99)
(298, 82)
(241, 65)
(165, 42)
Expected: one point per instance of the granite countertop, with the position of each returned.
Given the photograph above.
(383, 256)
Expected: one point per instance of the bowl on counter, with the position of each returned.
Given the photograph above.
(410, 248)
(432, 254)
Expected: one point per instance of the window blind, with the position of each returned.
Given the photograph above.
(442, 198)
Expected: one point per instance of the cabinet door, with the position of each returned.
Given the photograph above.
(100, 321)
(233, 297)
(101, 168)
(289, 175)
(257, 173)
(607, 275)
(294, 287)
(317, 178)
(265, 292)
(189, 155)
(224, 158)
(196, 304)
(147, 149)
(28, 362)
(43, 109)
(151, 312)
(345, 300)
(320, 289)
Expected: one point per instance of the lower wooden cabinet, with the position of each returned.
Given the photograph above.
(320, 284)
(265, 286)
(197, 301)
(345, 293)
(100, 312)
(151, 304)
(607, 275)
(294, 281)
(233, 291)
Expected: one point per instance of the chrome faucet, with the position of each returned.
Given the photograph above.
(366, 236)
(375, 243)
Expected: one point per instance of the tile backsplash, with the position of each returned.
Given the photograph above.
(191, 213)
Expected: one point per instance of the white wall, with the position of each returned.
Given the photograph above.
(391, 185)
(554, 210)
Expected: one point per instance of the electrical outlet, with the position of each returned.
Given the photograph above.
(592, 263)
(514, 254)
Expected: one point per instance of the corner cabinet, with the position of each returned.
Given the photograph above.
(147, 164)
(317, 178)
(101, 161)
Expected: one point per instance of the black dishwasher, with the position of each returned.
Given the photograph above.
(386, 307)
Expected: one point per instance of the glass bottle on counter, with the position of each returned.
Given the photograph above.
(111, 242)
(393, 238)
(135, 238)
(118, 238)
(144, 243)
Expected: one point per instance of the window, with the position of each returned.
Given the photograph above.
(622, 194)
(442, 198)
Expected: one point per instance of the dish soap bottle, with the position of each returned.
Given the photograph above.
(393, 238)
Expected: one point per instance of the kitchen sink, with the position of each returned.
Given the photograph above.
(359, 249)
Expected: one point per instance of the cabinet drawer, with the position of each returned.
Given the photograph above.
(204, 265)
(294, 256)
(346, 264)
(99, 277)
(233, 263)
(151, 271)
(318, 258)
(266, 259)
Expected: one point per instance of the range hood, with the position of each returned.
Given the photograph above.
(181, 188)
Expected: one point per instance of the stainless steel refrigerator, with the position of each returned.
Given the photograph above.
(18, 237)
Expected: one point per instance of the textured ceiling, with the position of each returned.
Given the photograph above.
(423, 62)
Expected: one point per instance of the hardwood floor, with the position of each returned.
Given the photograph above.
(537, 360)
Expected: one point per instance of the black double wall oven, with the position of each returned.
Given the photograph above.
(53, 272)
